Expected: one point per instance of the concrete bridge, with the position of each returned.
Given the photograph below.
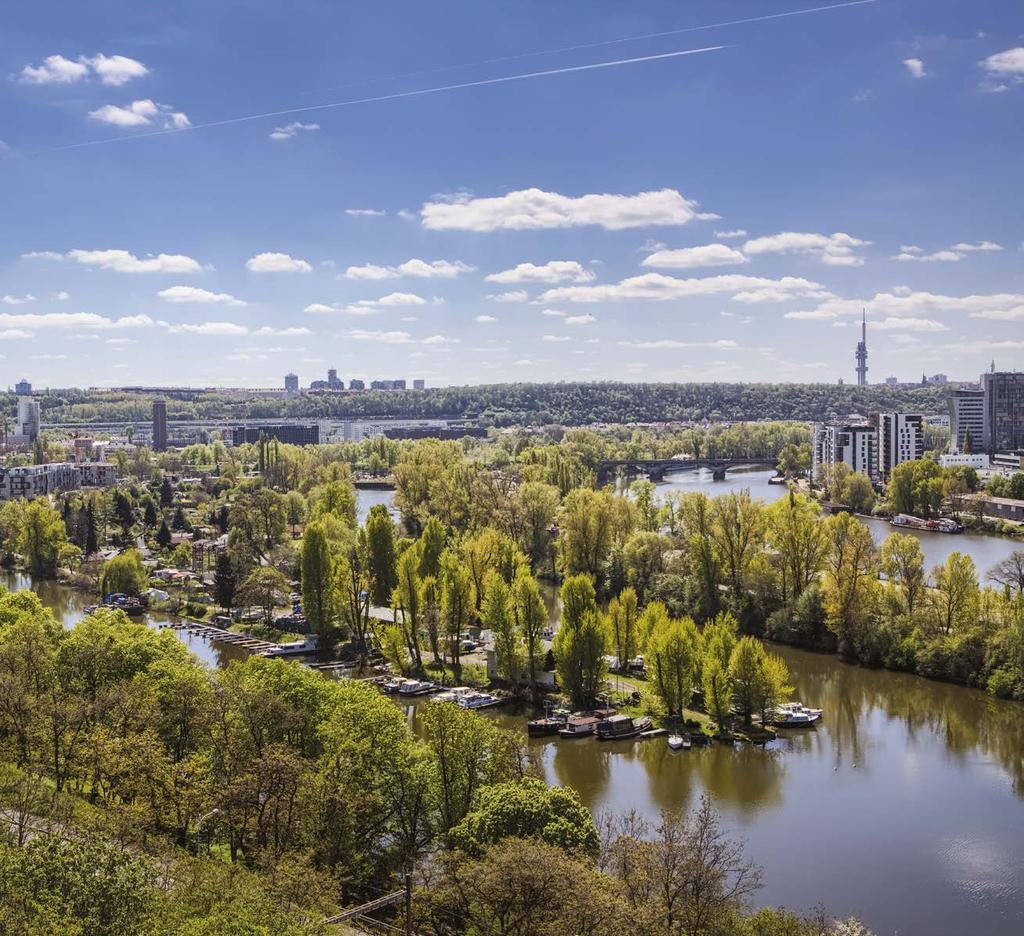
(656, 469)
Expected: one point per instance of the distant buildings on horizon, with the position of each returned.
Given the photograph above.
(335, 383)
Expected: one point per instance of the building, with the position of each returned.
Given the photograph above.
(291, 383)
(862, 351)
(979, 461)
(355, 384)
(332, 380)
(892, 381)
(857, 446)
(419, 384)
(23, 388)
(900, 439)
(30, 481)
(1003, 411)
(159, 425)
(967, 420)
(935, 379)
(28, 419)
(999, 508)
(290, 433)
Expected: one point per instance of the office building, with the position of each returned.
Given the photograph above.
(419, 385)
(857, 446)
(291, 383)
(355, 384)
(291, 433)
(28, 419)
(967, 420)
(1003, 411)
(862, 352)
(23, 388)
(900, 439)
(979, 461)
(30, 481)
(332, 380)
(159, 425)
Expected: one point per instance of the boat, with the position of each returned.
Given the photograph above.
(680, 742)
(415, 687)
(579, 726)
(294, 648)
(392, 684)
(795, 715)
(621, 726)
(939, 525)
(467, 698)
(550, 724)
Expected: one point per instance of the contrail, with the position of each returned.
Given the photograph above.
(608, 42)
(385, 97)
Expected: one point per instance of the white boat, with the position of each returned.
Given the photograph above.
(795, 715)
(467, 698)
(675, 741)
(290, 649)
(414, 687)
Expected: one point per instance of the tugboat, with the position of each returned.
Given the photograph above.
(618, 727)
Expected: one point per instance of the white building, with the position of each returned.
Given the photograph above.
(967, 418)
(28, 420)
(979, 462)
(900, 439)
(857, 446)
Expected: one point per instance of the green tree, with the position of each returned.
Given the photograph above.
(857, 492)
(432, 544)
(457, 603)
(225, 580)
(124, 574)
(903, 564)
(319, 598)
(717, 687)
(407, 600)
(263, 588)
(40, 537)
(954, 600)
(849, 580)
(674, 646)
(800, 541)
(530, 617)
(622, 620)
(163, 535)
(380, 552)
(498, 618)
(580, 643)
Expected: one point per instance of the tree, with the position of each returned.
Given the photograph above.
(903, 565)
(622, 620)
(530, 616)
(580, 643)
(41, 535)
(295, 508)
(432, 543)
(857, 493)
(408, 604)
(181, 558)
(799, 538)
(497, 617)
(646, 508)
(166, 492)
(737, 531)
(1010, 572)
(849, 579)
(91, 536)
(124, 512)
(163, 535)
(456, 605)
(526, 809)
(124, 574)
(319, 599)
(262, 588)
(758, 679)
(257, 521)
(225, 580)
(149, 512)
(586, 525)
(675, 648)
(380, 552)
(642, 554)
(717, 688)
(536, 506)
(954, 600)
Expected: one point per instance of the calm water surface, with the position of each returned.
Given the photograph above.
(904, 806)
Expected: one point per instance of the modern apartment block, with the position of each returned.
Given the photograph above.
(1002, 411)
(967, 420)
(28, 420)
(30, 481)
(900, 439)
(290, 433)
(857, 446)
(159, 425)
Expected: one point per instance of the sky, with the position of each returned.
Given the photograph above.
(215, 194)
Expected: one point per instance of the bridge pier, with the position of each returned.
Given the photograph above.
(717, 474)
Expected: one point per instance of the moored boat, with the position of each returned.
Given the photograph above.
(795, 715)
(550, 724)
(621, 726)
(579, 726)
(415, 687)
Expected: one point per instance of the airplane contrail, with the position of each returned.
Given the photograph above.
(607, 42)
(419, 92)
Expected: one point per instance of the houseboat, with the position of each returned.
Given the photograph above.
(621, 726)
(550, 724)
(939, 525)
(579, 726)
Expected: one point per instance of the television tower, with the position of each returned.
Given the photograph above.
(862, 351)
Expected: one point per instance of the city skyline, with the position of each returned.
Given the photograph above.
(612, 210)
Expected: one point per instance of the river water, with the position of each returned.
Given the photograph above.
(904, 806)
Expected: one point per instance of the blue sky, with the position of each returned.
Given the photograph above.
(722, 215)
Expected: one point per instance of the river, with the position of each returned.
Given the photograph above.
(904, 806)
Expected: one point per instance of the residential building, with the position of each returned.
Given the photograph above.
(28, 418)
(332, 380)
(291, 383)
(978, 461)
(159, 425)
(967, 420)
(419, 384)
(291, 433)
(862, 351)
(30, 481)
(900, 439)
(1003, 412)
(856, 445)
(23, 388)
(355, 384)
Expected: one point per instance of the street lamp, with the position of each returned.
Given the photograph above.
(212, 814)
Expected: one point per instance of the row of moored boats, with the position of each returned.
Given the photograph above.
(463, 696)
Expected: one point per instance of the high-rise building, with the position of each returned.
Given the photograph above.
(28, 418)
(1003, 411)
(900, 439)
(23, 388)
(419, 384)
(857, 446)
(967, 420)
(332, 380)
(356, 384)
(862, 351)
(159, 425)
(291, 383)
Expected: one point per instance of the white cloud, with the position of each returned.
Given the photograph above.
(585, 319)
(1008, 64)
(905, 302)
(554, 271)
(689, 258)
(119, 342)
(88, 320)
(42, 255)
(832, 249)
(62, 296)
(659, 287)
(534, 209)
(914, 254)
(48, 357)
(421, 269)
(915, 66)
(523, 362)
(556, 338)
(18, 300)
(365, 212)
(320, 308)
(55, 70)
(206, 328)
(722, 344)
(267, 331)
(181, 294)
(14, 334)
(553, 313)
(440, 341)
(810, 315)
(516, 295)
(1000, 315)
(290, 130)
(485, 319)
(368, 306)
(276, 263)
(731, 235)
(116, 70)
(121, 261)
(141, 114)
(380, 337)
(895, 323)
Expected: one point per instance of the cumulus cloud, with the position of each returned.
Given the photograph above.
(42, 255)
(722, 344)
(585, 319)
(689, 258)
(1003, 69)
(368, 306)
(142, 113)
(121, 261)
(18, 300)
(915, 66)
(288, 131)
(485, 319)
(515, 295)
(14, 334)
(112, 70)
(86, 320)
(1011, 314)
(420, 269)
(556, 338)
(905, 302)
(267, 331)
(62, 295)
(731, 235)
(380, 337)
(895, 323)
(913, 254)
(832, 249)
(365, 212)
(534, 209)
(554, 271)
(181, 294)
(659, 287)
(553, 313)
(276, 263)
(206, 328)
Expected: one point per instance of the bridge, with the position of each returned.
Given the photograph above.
(656, 469)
